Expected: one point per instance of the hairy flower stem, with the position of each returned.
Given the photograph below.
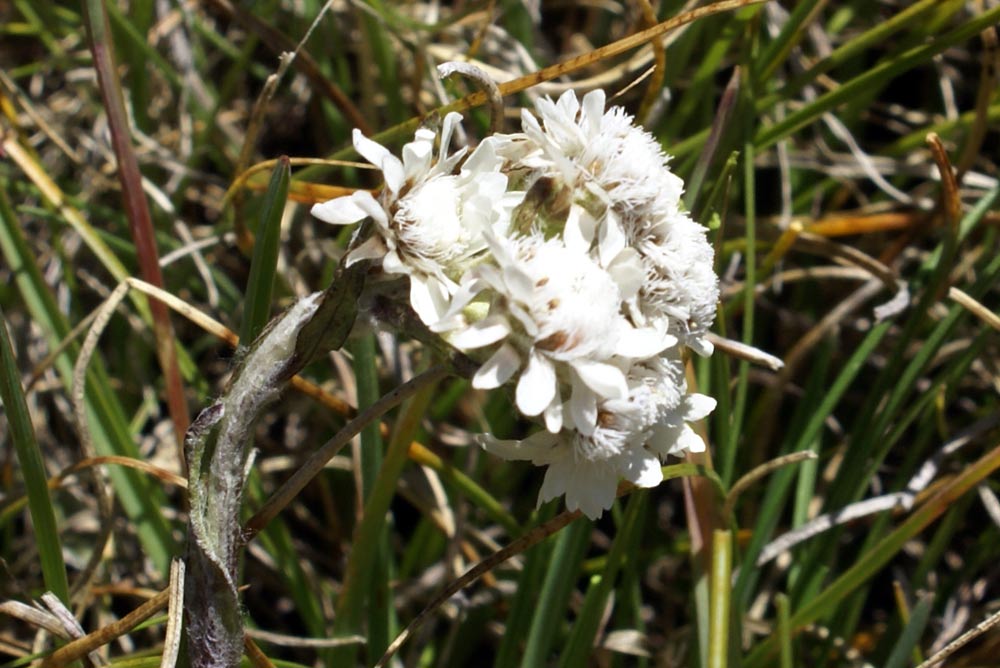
(218, 445)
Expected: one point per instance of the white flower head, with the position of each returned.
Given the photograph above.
(559, 315)
(589, 485)
(631, 437)
(429, 218)
(627, 200)
(681, 290)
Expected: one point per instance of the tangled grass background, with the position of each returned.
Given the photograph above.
(842, 156)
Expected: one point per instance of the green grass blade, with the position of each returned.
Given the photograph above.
(720, 588)
(581, 640)
(368, 534)
(784, 631)
(22, 433)
(770, 511)
(524, 608)
(560, 578)
(260, 284)
(381, 615)
(908, 639)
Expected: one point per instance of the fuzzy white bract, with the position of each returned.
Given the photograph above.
(560, 258)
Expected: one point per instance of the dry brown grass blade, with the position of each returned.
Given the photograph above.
(611, 50)
(299, 191)
(951, 201)
(140, 222)
(220, 331)
(77, 649)
(175, 611)
(975, 307)
(57, 481)
(781, 247)
(659, 63)
(578, 62)
(988, 79)
(253, 654)
(844, 225)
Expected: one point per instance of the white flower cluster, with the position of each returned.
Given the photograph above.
(560, 256)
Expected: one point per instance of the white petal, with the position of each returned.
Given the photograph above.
(583, 408)
(525, 318)
(391, 264)
(641, 468)
(642, 343)
(554, 415)
(627, 271)
(612, 238)
(417, 154)
(573, 235)
(701, 346)
(370, 150)
(483, 159)
(451, 119)
(539, 448)
(498, 369)
(593, 109)
(428, 298)
(537, 386)
(393, 173)
(567, 104)
(488, 330)
(519, 283)
(606, 380)
(466, 292)
(558, 477)
(592, 489)
(689, 441)
(698, 406)
(372, 249)
(342, 210)
(367, 203)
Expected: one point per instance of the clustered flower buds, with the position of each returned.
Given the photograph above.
(560, 257)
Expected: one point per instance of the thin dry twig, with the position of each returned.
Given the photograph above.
(759, 472)
(964, 639)
(975, 307)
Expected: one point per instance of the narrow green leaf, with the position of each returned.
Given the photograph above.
(720, 588)
(908, 639)
(581, 641)
(368, 534)
(257, 301)
(30, 458)
(784, 631)
(874, 77)
(553, 597)
(333, 320)
(524, 607)
(381, 614)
